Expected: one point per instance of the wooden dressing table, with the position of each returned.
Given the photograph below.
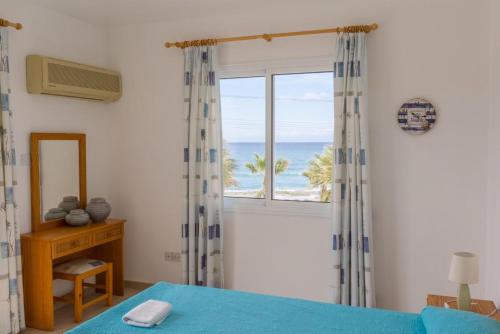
(41, 250)
(58, 169)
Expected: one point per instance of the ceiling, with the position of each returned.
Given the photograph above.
(118, 12)
(114, 12)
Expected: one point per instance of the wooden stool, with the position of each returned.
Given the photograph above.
(77, 271)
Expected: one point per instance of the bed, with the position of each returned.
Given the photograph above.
(206, 310)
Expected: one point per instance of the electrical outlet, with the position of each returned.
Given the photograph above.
(172, 256)
(176, 257)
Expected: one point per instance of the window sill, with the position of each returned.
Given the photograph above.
(276, 207)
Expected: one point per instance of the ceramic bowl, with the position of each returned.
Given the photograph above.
(69, 203)
(77, 217)
(55, 213)
(98, 209)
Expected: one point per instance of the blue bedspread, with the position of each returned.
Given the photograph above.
(207, 310)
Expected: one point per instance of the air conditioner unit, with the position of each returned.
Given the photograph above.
(46, 75)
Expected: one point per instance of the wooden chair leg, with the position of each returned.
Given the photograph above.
(109, 284)
(78, 298)
(98, 280)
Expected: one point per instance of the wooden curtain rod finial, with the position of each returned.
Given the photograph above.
(169, 45)
(7, 23)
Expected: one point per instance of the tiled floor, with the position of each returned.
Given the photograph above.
(64, 314)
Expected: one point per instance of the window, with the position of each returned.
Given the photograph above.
(244, 135)
(283, 117)
(303, 133)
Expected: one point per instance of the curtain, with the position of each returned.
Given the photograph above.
(11, 293)
(351, 208)
(202, 225)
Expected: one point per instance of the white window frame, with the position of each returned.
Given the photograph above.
(268, 205)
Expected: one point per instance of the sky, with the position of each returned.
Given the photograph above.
(303, 108)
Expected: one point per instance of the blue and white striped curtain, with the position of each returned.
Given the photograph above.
(202, 225)
(351, 204)
(11, 283)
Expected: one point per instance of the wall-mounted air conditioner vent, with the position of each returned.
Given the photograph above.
(59, 77)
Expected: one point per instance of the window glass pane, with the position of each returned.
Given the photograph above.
(243, 131)
(303, 136)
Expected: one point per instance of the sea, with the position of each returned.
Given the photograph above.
(297, 154)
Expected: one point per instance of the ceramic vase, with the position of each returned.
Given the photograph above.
(55, 213)
(77, 217)
(69, 203)
(98, 209)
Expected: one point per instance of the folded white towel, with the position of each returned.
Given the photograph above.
(148, 314)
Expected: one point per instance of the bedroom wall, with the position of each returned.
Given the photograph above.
(493, 223)
(48, 33)
(429, 191)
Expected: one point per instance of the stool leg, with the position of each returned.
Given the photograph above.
(78, 299)
(109, 284)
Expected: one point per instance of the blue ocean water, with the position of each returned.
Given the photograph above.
(297, 154)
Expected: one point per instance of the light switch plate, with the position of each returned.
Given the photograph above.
(25, 159)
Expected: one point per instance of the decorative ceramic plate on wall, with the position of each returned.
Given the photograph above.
(416, 116)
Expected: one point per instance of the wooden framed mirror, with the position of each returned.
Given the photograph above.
(58, 170)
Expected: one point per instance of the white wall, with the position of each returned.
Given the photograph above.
(48, 33)
(493, 227)
(429, 191)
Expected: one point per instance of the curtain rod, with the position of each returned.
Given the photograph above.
(7, 23)
(269, 37)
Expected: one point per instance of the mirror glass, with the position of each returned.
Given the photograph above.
(59, 174)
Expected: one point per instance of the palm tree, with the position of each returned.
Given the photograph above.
(259, 167)
(229, 166)
(319, 173)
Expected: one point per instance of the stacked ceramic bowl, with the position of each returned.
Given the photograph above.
(55, 213)
(77, 217)
(69, 203)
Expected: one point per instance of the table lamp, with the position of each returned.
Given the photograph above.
(464, 270)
